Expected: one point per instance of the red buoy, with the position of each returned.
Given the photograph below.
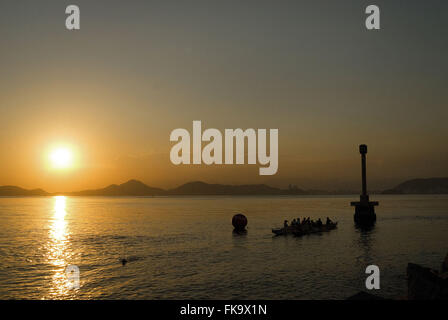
(239, 222)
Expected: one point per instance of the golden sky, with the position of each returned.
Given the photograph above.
(113, 91)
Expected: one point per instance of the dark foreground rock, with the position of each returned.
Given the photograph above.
(445, 264)
(426, 283)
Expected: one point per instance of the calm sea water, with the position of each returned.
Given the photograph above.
(181, 248)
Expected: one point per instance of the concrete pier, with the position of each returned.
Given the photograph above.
(364, 209)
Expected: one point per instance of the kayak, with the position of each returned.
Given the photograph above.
(304, 230)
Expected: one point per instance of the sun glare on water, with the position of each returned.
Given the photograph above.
(61, 158)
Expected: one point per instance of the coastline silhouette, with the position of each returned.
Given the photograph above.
(137, 188)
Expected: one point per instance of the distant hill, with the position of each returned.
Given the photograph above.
(421, 186)
(138, 188)
(10, 191)
(130, 188)
(202, 188)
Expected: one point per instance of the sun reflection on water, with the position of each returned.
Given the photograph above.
(59, 227)
(58, 253)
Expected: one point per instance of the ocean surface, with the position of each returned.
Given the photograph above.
(184, 247)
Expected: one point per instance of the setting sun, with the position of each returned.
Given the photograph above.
(61, 158)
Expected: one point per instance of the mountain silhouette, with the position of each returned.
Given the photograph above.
(17, 191)
(130, 188)
(202, 188)
(421, 186)
(137, 188)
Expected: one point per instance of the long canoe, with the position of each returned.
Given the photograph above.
(304, 230)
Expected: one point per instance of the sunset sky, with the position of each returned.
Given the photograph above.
(112, 92)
